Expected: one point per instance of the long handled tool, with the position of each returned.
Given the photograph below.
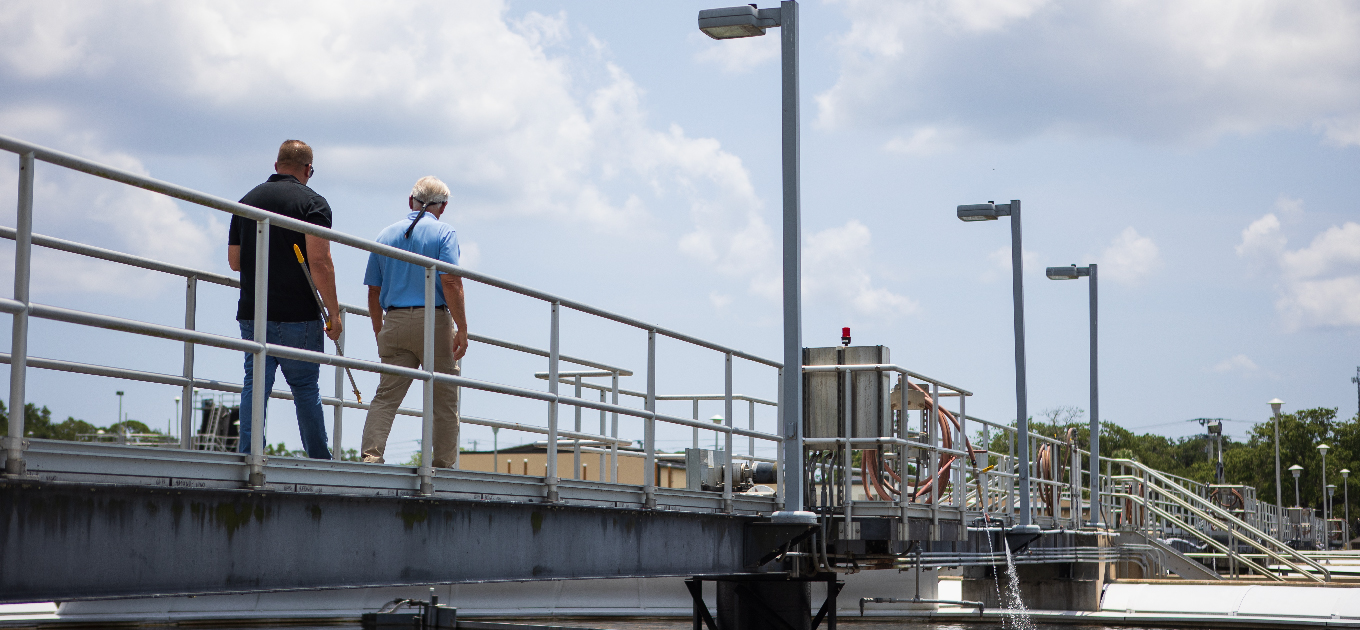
(307, 271)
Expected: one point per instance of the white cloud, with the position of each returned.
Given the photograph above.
(1129, 258)
(1340, 131)
(924, 141)
(80, 207)
(1237, 363)
(1318, 285)
(450, 88)
(1164, 70)
(737, 56)
(837, 264)
(1262, 238)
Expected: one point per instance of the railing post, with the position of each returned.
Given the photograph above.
(339, 413)
(1074, 481)
(904, 497)
(576, 443)
(986, 479)
(696, 419)
(782, 444)
(186, 426)
(751, 426)
(1010, 467)
(849, 485)
(604, 397)
(260, 391)
(426, 470)
(614, 431)
(729, 473)
(18, 365)
(937, 484)
(554, 348)
(961, 473)
(649, 428)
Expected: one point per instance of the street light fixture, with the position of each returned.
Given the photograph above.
(990, 211)
(1323, 448)
(748, 21)
(1275, 410)
(1073, 272)
(169, 431)
(737, 22)
(1297, 470)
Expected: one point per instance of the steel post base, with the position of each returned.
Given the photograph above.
(764, 601)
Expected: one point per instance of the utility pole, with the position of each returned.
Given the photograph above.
(1356, 379)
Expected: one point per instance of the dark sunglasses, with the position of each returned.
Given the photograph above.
(310, 171)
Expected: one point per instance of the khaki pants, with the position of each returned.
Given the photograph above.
(401, 342)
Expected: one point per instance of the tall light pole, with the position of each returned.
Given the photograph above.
(748, 21)
(1073, 272)
(1346, 492)
(1275, 410)
(991, 211)
(169, 431)
(1323, 448)
(1297, 470)
(1331, 492)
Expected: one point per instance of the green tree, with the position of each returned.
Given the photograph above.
(1300, 434)
(38, 424)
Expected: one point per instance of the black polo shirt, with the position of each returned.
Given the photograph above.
(290, 298)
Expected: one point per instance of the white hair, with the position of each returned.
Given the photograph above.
(429, 191)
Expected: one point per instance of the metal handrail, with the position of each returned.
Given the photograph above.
(23, 308)
(1256, 534)
(140, 262)
(1169, 517)
(176, 191)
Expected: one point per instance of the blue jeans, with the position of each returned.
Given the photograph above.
(301, 376)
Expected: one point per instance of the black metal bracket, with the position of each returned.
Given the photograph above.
(833, 588)
(696, 592)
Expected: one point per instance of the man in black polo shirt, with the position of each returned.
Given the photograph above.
(293, 316)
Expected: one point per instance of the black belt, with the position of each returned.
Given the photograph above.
(441, 307)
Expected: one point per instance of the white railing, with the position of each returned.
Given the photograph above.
(22, 308)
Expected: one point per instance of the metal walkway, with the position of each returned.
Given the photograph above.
(84, 519)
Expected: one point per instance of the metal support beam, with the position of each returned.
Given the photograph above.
(77, 541)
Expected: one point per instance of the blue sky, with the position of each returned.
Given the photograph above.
(1203, 153)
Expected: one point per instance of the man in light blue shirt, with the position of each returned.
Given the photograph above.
(396, 304)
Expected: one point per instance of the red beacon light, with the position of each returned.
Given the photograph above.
(845, 336)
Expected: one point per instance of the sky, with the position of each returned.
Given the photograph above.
(1204, 154)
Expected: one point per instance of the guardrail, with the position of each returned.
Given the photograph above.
(22, 308)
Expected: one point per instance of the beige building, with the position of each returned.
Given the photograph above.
(532, 460)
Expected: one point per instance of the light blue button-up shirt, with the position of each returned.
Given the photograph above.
(403, 284)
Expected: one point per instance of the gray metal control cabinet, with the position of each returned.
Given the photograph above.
(824, 393)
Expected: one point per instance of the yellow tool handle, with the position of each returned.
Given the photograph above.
(298, 251)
